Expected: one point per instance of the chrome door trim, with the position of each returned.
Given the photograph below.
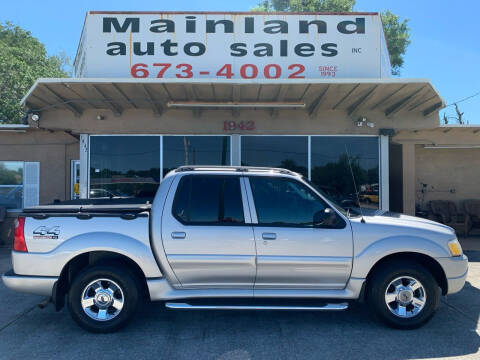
(246, 207)
(251, 202)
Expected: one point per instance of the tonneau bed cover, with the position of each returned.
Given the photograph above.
(117, 206)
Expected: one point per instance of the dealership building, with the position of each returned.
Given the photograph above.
(309, 92)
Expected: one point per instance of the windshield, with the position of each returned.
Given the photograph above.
(346, 212)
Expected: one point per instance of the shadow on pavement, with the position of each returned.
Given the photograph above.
(168, 334)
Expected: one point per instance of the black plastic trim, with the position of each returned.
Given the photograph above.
(84, 215)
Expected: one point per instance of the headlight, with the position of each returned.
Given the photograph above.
(455, 247)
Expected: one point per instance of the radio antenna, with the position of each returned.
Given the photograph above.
(354, 184)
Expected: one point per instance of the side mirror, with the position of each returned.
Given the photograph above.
(325, 217)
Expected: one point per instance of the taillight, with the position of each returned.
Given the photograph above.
(19, 236)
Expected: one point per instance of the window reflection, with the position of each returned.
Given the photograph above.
(124, 166)
(331, 171)
(288, 152)
(195, 150)
(209, 200)
(11, 184)
(129, 166)
(282, 202)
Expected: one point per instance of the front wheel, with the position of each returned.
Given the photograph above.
(103, 299)
(403, 295)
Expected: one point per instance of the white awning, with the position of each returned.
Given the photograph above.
(391, 95)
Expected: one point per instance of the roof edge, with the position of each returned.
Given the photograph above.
(99, 12)
(229, 81)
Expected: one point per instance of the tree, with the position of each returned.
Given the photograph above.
(23, 59)
(459, 115)
(306, 5)
(459, 118)
(397, 35)
(397, 32)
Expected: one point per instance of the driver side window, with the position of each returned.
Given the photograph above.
(287, 202)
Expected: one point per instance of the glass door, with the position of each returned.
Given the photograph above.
(75, 179)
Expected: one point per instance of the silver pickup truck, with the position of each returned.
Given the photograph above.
(233, 238)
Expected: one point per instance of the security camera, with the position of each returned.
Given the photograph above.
(360, 121)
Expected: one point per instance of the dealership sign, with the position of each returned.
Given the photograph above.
(232, 46)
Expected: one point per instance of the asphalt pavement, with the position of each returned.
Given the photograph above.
(27, 331)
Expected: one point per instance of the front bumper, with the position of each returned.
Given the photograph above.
(39, 285)
(456, 270)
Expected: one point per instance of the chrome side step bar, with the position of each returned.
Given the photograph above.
(326, 307)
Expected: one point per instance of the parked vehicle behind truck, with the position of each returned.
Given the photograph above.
(250, 238)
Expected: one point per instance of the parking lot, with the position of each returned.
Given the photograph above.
(29, 332)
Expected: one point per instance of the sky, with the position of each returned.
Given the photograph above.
(445, 44)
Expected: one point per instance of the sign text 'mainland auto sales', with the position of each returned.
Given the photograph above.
(231, 46)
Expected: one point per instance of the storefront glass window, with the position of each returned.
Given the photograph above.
(195, 150)
(11, 184)
(124, 166)
(331, 171)
(129, 166)
(289, 152)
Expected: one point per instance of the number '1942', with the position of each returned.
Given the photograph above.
(238, 125)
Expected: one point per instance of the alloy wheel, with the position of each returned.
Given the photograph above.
(405, 297)
(102, 299)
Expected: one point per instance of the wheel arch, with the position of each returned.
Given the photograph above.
(90, 258)
(432, 265)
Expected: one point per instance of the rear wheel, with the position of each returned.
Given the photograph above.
(103, 299)
(403, 295)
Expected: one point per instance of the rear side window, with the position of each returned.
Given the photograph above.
(208, 200)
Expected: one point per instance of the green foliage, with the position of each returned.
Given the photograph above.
(397, 32)
(10, 176)
(337, 174)
(23, 59)
(306, 5)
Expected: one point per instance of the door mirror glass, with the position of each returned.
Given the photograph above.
(325, 218)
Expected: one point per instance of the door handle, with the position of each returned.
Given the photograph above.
(178, 235)
(269, 236)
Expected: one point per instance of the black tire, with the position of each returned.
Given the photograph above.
(377, 288)
(121, 277)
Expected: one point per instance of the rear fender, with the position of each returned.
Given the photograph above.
(52, 263)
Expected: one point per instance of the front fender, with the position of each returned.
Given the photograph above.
(51, 263)
(369, 256)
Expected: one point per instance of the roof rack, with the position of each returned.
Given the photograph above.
(235, 168)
